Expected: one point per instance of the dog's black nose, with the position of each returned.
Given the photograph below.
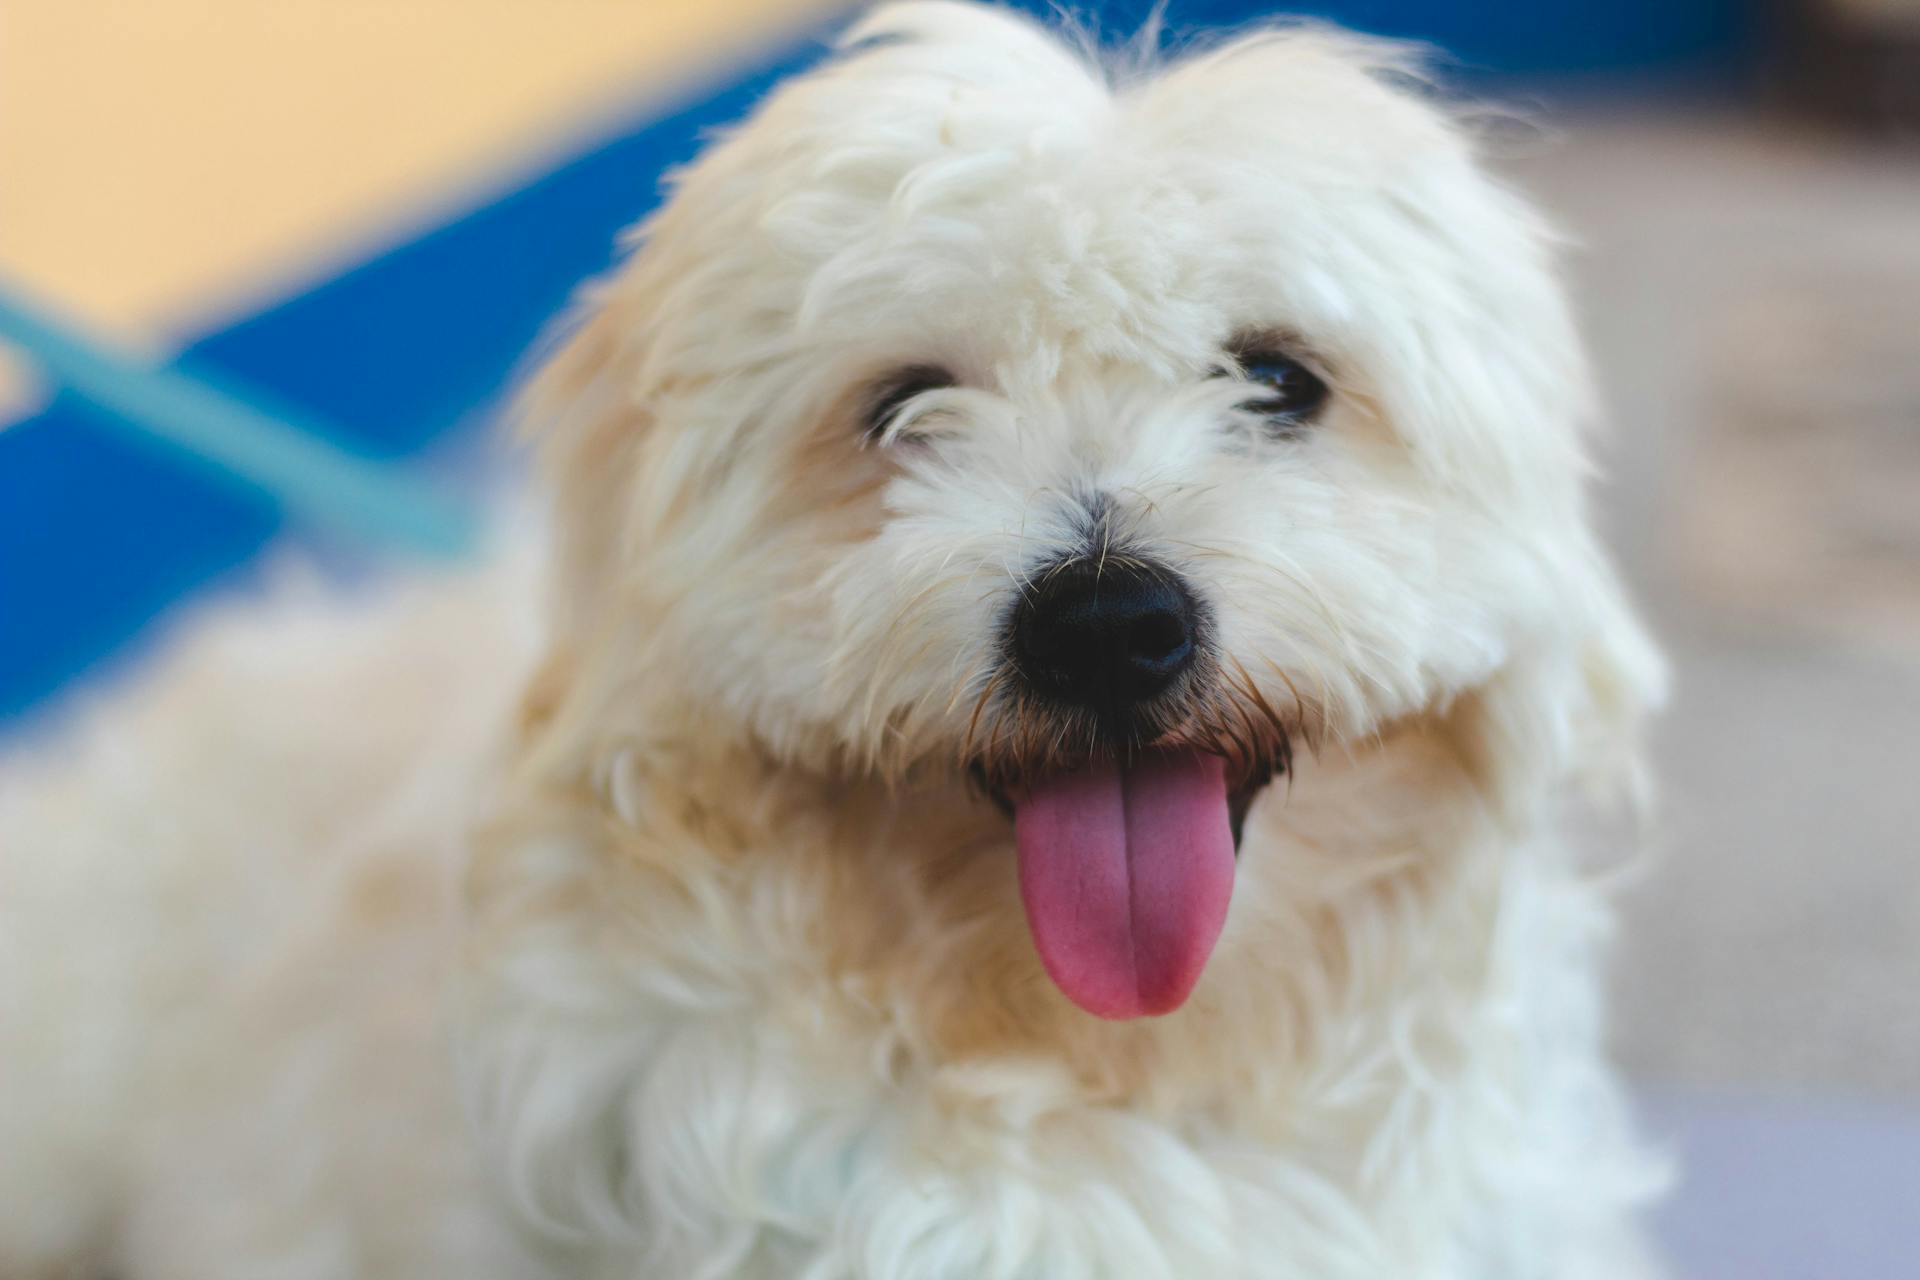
(1104, 637)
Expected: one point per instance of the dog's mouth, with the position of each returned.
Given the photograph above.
(1240, 794)
(1126, 869)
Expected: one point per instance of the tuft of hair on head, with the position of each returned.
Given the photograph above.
(1123, 61)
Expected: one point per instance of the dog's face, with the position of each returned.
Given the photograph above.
(968, 415)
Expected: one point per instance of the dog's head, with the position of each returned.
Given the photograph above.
(1102, 436)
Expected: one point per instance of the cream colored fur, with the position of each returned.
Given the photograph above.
(744, 987)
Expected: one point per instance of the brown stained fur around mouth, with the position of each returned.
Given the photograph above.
(1013, 738)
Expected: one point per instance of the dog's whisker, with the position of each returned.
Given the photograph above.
(961, 687)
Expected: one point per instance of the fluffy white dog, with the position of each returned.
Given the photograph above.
(1071, 622)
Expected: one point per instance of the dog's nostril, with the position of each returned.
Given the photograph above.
(1106, 638)
(1158, 636)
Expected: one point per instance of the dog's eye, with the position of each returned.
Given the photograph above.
(1287, 393)
(892, 393)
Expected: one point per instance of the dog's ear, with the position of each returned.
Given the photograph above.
(588, 424)
(1570, 707)
(1622, 680)
(586, 419)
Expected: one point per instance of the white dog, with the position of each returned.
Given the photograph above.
(1072, 620)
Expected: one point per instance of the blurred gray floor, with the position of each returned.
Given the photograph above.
(1752, 290)
(1753, 296)
(1789, 1189)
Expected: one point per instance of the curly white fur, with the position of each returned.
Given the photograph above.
(746, 990)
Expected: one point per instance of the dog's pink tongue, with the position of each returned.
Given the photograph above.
(1126, 873)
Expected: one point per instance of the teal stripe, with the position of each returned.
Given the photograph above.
(286, 458)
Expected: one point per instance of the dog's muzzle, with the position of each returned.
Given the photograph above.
(1127, 767)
